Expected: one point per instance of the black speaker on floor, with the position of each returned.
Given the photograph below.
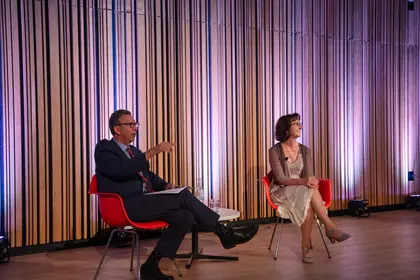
(4, 249)
(413, 200)
(359, 208)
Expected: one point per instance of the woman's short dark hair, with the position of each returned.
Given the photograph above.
(115, 119)
(283, 126)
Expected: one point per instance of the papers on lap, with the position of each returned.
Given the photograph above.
(171, 191)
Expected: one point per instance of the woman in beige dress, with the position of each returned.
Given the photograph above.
(294, 188)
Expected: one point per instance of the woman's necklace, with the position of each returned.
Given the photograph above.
(291, 149)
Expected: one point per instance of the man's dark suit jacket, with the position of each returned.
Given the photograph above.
(116, 173)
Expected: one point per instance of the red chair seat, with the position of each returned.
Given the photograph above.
(324, 188)
(113, 213)
(150, 225)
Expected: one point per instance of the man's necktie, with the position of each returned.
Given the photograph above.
(149, 189)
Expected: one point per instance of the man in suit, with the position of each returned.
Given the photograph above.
(123, 169)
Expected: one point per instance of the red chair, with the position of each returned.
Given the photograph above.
(113, 213)
(326, 194)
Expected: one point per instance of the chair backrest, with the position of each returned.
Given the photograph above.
(266, 181)
(111, 206)
(93, 187)
(324, 188)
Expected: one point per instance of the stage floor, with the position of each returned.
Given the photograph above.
(385, 246)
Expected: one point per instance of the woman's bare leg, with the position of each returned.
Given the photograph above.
(319, 209)
(332, 232)
(306, 228)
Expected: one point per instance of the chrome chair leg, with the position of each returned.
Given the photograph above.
(177, 268)
(106, 250)
(133, 244)
(278, 239)
(138, 255)
(274, 231)
(323, 238)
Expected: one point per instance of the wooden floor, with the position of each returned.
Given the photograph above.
(384, 246)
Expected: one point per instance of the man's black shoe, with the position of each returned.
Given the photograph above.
(152, 272)
(150, 269)
(230, 237)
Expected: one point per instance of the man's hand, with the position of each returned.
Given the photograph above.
(166, 147)
(161, 147)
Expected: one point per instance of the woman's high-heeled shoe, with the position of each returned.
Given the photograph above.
(305, 258)
(340, 238)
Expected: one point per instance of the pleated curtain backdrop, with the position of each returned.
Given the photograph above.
(212, 76)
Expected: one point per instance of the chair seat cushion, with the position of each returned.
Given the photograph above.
(151, 225)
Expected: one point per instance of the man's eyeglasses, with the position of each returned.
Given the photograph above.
(131, 124)
(298, 123)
